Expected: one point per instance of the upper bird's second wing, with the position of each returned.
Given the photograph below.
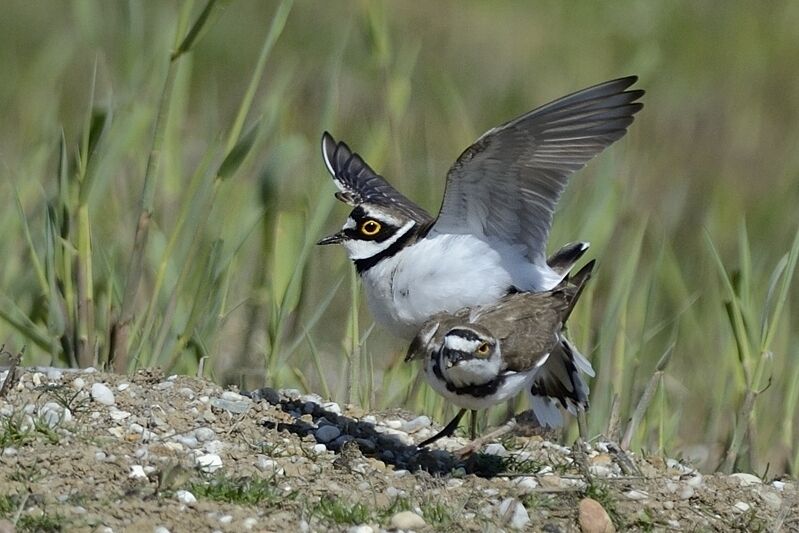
(506, 185)
(358, 184)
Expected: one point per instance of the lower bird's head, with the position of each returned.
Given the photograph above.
(470, 355)
(371, 231)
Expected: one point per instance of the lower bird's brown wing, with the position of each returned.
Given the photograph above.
(527, 326)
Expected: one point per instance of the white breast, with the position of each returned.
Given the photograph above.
(513, 384)
(446, 273)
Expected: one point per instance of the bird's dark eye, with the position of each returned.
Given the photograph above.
(370, 228)
(483, 349)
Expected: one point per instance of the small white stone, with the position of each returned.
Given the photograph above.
(164, 385)
(407, 520)
(53, 414)
(495, 448)
(9, 452)
(90, 370)
(188, 441)
(742, 506)
(102, 394)
(186, 393)
(636, 495)
(526, 483)
(204, 434)
(746, 479)
(36, 378)
(209, 462)
(186, 497)
(225, 519)
(513, 513)
(78, 383)
(231, 396)
(363, 528)
(332, 407)
(249, 523)
(779, 485)
(686, 492)
(674, 524)
(118, 415)
(123, 387)
(137, 472)
(412, 426)
(695, 481)
(319, 449)
(369, 419)
(160, 529)
(393, 424)
(313, 398)
(174, 446)
(54, 374)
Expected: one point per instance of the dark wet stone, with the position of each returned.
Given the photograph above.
(339, 442)
(264, 393)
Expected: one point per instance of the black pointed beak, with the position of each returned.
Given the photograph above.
(336, 238)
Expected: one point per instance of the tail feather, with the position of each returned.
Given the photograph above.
(559, 383)
(564, 259)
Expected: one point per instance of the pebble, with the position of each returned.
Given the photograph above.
(636, 495)
(319, 448)
(186, 393)
(209, 462)
(332, 407)
(593, 518)
(687, 492)
(9, 452)
(160, 529)
(186, 497)
(407, 520)
(123, 387)
(236, 408)
(188, 441)
(249, 523)
(695, 481)
(53, 414)
(742, 506)
(118, 415)
(495, 448)
(164, 385)
(779, 485)
(226, 519)
(78, 383)
(232, 396)
(526, 483)
(746, 479)
(393, 424)
(53, 374)
(412, 426)
(137, 472)
(327, 433)
(204, 434)
(102, 394)
(363, 528)
(513, 513)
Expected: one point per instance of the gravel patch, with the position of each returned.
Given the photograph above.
(90, 451)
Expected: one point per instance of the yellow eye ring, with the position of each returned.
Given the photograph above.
(370, 228)
(483, 349)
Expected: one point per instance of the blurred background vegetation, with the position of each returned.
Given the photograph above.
(692, 216)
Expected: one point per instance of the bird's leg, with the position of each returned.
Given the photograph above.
(473, 425)
(448, 430)
(476, 444)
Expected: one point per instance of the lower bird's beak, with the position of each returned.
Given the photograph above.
(336, 238)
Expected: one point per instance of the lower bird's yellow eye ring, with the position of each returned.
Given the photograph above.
(483, 349)
(370, 228)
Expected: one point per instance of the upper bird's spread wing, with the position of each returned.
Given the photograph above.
(506, 185)
(359, 184)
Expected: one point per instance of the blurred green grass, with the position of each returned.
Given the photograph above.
(230, 270)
